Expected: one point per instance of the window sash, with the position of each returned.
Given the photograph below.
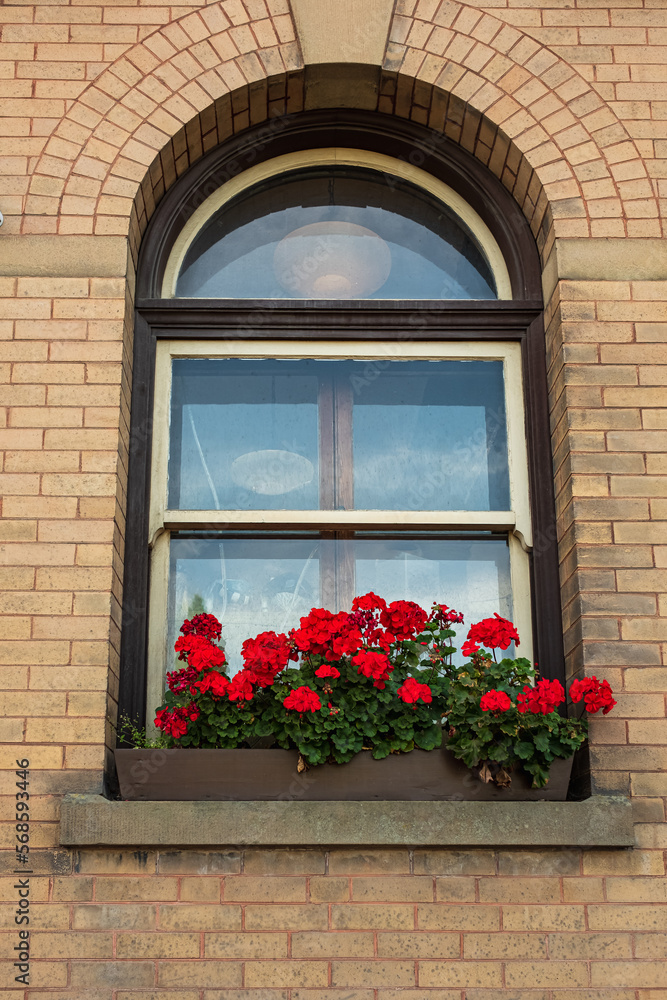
(163, 520)
(506, 352)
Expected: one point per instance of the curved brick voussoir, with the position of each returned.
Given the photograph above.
(577, 157)
(163, 103)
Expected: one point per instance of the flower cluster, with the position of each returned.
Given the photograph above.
(495, 701)
(303, 699)
(494, 633)
(175, 722)
(265, 656)
(199, 652)
(404, 619)
(379, 677)
(206, 625)
(445, 617)
(377, 666)
(542, 699)
(597, 695)
(325, 634)
(411, 691)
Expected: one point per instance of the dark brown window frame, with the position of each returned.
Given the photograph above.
(518, 320)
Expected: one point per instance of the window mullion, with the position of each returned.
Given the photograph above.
(344, 457)
(326, 442)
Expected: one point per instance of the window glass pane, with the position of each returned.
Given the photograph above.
(335, 232)
(253, 584)
(370, 435)
(244, 435)
(430, 436)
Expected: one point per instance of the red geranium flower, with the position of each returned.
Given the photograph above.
(241, 686)
(404, 619)
(375, 665)
(199, 652)
(175, 722)
(469, 647)
(495, 701)
(369, 602)
(494, 633)
(325, 634)
(265, 656)
(412, 691)
(541, 699)
(214, 682)
(326, 670)
(597, 695)
(181, 680)
(303, 699)
(206, 625)
(445, 616)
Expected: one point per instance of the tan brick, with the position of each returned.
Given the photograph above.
(419, 945)
(369, 916)
(270, 890)
(636, 890)
(450, 862)
(313, 944)
(622, 863)
(257, 862)
(204, 890)
(647, 731)
(390, 862)
(651, 946)
(246, 946)
(200, 918)
(102, 916)
(375, 974)
(311, 917)
(583, 890)
(130, 889)
(440, 916)
(543, 918)
(417, 888)
(455, 889)
(42, 974)
(157, 945)
(551, 974)
(71, 945)
(635, 974)
(327, 889)
(198, 862)
(462, 974)
(519, 890)
(627, 918)
(111, 975)
(289, 974)
(75, 888)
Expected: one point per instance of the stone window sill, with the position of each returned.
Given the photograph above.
(600, 821)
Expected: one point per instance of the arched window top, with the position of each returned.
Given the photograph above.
(336, 224)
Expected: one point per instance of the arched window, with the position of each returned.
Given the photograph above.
(339, 356)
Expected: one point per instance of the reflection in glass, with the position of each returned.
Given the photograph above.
(430, 436)
(243, 435)
(255, 584)
(365, 435)
(335, 232)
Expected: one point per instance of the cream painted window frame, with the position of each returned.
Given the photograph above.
(338, 156)
(163, 520)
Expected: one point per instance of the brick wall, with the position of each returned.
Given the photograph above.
(102, 107)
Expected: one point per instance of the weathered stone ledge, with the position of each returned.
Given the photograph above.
(600, 821)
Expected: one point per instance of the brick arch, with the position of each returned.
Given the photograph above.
(513, 103)
(159, 107)
(542, 128)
